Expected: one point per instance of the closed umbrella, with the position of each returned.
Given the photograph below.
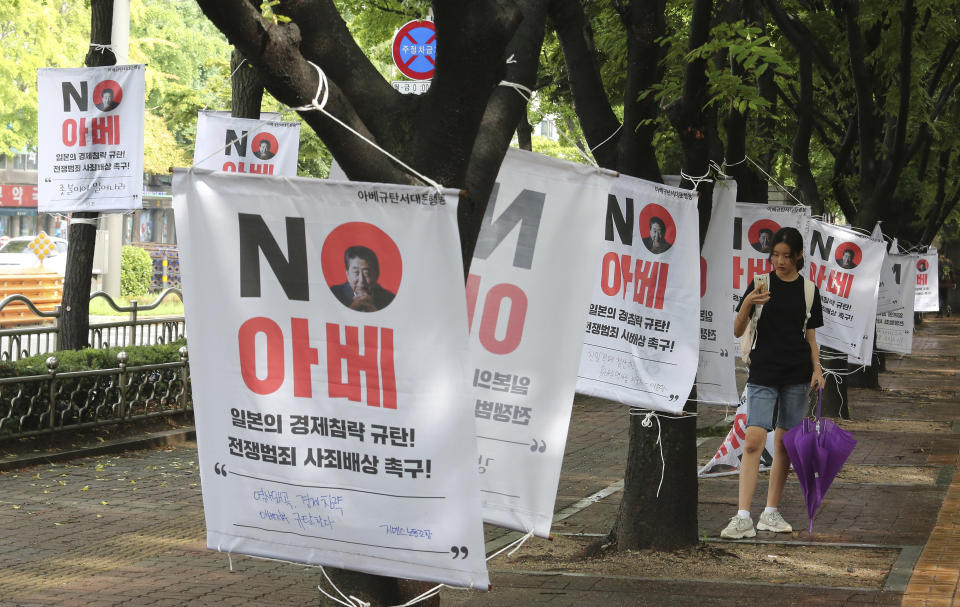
(818, 449)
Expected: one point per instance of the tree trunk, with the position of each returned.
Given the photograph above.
(246, 89)
(74, 323)
(654, 512)
(666, 520)
(525, 134)
(868, 377)
(834, 393)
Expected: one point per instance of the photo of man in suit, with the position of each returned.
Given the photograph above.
(657, 243)
(846, 260)
(362, 291)
(764, 238)
(263, 150)
(106, 100)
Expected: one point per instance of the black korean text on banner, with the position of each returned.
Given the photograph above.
(845, 266)
(895, 329)
(640, 348)
(527, 296)
(928, 287)
(716, 373)
(754, 226)
(90, 149)
(245, 145)
(330, 421)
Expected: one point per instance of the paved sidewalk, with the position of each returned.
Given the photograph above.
(127, 529)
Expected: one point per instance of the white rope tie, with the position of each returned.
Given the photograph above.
(647, 423)
(619, 128)
(527, 95)
(101, 47)
(323, 88)
(696, 181)
(90, 221)
(348, 601)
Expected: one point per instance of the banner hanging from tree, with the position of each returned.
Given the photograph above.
(90, 139)
(845, 266)
(716, 371)
(330, 377)
(727, 458)
(753, 228)
(895, 329)
(928, 286)
(640, 348)
(528, 293)
(245, 145)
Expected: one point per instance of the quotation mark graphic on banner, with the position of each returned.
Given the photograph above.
(41, 246)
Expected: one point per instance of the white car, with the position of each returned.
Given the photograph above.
(15, 253)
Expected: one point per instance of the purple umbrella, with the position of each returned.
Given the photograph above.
(818, 449)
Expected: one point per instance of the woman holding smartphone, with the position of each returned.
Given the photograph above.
(784, 366)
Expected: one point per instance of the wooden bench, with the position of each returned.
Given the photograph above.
(43, 287)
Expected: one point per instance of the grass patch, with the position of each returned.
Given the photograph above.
(171, 306)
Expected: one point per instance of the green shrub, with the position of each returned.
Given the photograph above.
(94, 358)
(136, 268)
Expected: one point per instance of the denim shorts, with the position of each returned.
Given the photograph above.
(789, 403)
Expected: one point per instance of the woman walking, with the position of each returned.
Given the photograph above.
(784, 366)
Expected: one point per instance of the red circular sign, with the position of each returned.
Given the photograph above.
(367, 235)
(848, 255)
(760, 235)
(415, 49)
(655, 218)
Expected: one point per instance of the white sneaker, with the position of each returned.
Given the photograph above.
(738, 528)
(773, 521)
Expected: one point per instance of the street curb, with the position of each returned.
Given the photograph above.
(160, 439)
(902, 569)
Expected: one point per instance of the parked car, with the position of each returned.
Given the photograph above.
(16, 253)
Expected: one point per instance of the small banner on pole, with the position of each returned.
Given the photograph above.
(640, 348)
(329, 361)
(245, 145)
(928, 287)
(90, 139)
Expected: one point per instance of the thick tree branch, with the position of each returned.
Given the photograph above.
(897, 156)
(645, 23)
(507, 107)
(590, 100)
(800, 36)
(274, 49)
(327, 42)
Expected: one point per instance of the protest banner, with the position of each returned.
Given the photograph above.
(640, 348)
(245, 145)
(726, 460)
(895, 329)
(528, 294)
(888, 294)
(845, 266)
(90, 139)
(753, 228)
(927, 297)
(716, 371)
(329, 370)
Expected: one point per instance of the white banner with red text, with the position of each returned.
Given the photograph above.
(640, 348)
(716, 370)
(329, 378)
(245, 145)
(753, 228)
(895, 329)
(528, 293)
(845, 265)
(928, 285)
(726, 460)
(90, 139)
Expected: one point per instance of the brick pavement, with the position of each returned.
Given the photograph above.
(127, 530)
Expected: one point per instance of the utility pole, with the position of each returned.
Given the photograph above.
(120, 36)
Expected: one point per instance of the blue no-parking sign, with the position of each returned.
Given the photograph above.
(415, 49)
